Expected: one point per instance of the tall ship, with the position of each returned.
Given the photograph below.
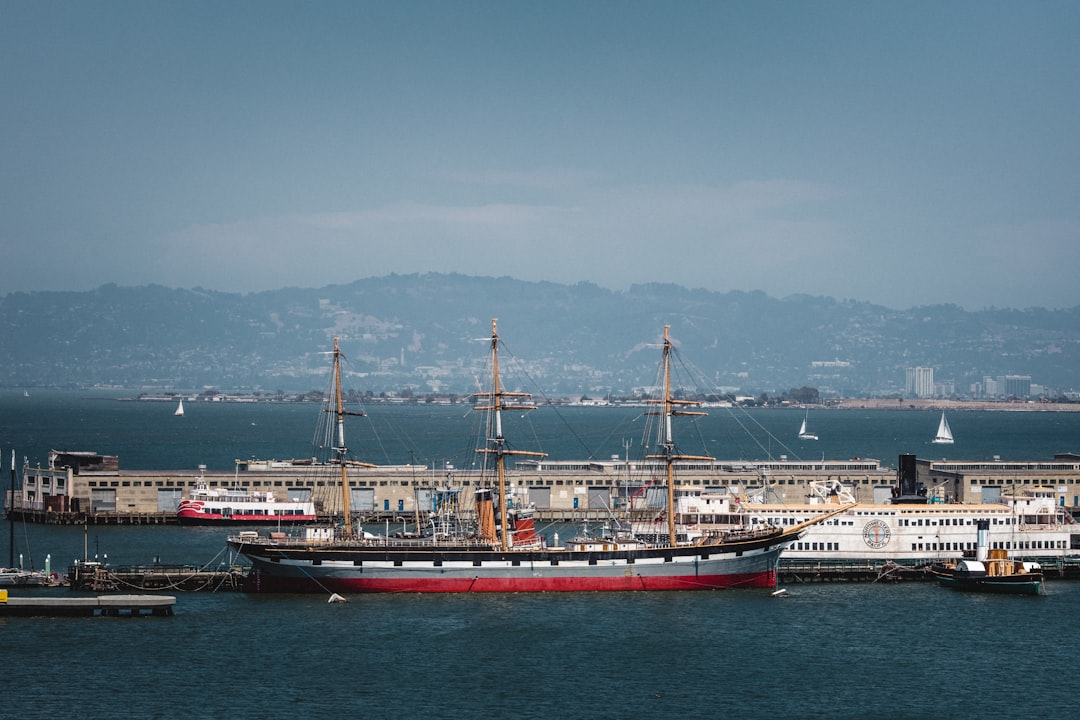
(501, 551)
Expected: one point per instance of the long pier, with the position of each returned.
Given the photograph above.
(106, 606)
(54, 517)
(793, 571)
(91, 577)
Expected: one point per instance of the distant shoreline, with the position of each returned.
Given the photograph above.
(925, 404)
(463, 400)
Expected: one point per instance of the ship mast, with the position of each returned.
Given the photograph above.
(668, 451)
(340, 449)
(495, 403)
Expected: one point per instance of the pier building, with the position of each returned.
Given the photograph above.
(79, 487)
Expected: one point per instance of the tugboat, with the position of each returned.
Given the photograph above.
(992, 571)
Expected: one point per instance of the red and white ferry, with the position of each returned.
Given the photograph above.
(235, 506)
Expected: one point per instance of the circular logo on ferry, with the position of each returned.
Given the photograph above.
(876, 534)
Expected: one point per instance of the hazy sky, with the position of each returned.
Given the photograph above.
(902, 153)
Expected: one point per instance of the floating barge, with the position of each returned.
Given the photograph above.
(802, 572)
(105, 606)
(95, 577)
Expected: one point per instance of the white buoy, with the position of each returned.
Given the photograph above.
(781, 592)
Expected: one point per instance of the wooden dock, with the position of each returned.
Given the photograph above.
(104, 606)
(802, 572)
(93, 577)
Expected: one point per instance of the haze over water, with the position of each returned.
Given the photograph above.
(932, 652)
(146, 435)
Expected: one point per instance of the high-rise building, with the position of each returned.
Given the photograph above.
(919, 382)
(1018, 386)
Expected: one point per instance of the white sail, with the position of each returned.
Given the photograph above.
(944, 432)
(180, 408)
(805, 434)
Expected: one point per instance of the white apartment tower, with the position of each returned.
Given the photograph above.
(920, 382)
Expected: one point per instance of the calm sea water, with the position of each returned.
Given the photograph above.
(825, 651)
(146, 435)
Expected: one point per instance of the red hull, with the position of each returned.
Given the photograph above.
(185, 517)
(257, 582)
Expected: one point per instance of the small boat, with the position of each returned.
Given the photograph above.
(16, 577)
(236, 506)
(805, 434)
(180, 408)
(944, 432)
(502, 552)
(20, 577)
(992, 571)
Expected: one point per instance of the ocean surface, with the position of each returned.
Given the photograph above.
(909, 650)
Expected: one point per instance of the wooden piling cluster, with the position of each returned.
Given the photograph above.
(93, 577)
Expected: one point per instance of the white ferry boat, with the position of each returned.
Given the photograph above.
(1030, 526)
(236, 506)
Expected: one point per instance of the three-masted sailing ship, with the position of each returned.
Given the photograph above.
(504, 553)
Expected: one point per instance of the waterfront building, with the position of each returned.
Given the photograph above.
(77, 485)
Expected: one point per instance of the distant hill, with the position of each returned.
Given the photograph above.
(422, 332)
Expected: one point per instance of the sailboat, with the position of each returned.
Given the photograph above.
(805, 434)
(944, 432)
(180, 408)
(503, 552)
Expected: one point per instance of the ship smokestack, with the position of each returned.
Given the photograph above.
(908, 489)
(982, 540)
